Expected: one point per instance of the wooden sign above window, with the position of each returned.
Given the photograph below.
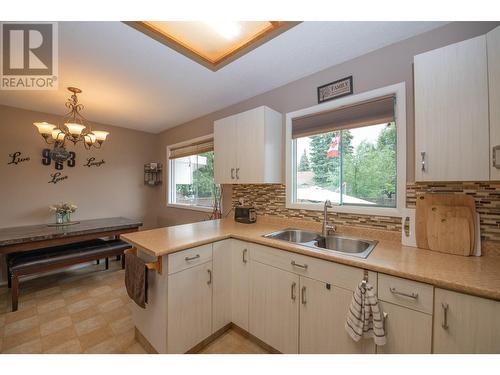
(335, 89)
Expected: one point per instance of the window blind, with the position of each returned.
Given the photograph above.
(369, 112)
(191, 149)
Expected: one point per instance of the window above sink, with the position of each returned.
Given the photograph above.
(351, 151)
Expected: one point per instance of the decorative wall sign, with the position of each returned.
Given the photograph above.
(15, 158)
(57, 177)
(335, 89)
(92, 163)
(47, 159)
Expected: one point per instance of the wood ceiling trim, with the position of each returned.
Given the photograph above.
(276, 28)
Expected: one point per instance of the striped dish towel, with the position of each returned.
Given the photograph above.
(365, 318)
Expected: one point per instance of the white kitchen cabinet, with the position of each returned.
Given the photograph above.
(323, 312)
(247, 147)
(225, 150)
(240, 290)
(222, 284)
(493, 46)
(465, 324)
(274, 307)
(451, 113)
(189, 311)
(407, 331)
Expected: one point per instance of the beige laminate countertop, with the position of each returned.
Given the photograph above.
(474, 275)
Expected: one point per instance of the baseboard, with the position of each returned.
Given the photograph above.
(144, 342)
(199, 347)
(254, 339)
(214, 336)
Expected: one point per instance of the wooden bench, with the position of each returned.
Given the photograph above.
(43, 260)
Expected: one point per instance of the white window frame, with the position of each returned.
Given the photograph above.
(399, 90)
(171, 188)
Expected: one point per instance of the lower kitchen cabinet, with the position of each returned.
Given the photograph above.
(465, 324)
(323, 312)
(221, 263)
(189, 307)
(240, 290)
(407, 331)
(274, 307)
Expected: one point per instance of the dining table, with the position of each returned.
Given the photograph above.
(40, 236)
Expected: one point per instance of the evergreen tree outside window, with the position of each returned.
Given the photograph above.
(355, 166)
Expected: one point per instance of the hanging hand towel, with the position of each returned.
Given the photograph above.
(365, 318)
(136, 279)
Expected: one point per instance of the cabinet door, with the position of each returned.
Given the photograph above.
(407, 331)
(221, 302)
(451, 113)
(323, 312)
(274, 307)
(225, 150)
(465, 324)
(189, 308)
(240, 291)
(250, 143)
(493, 45)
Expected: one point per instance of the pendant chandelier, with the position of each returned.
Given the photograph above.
(73, 130)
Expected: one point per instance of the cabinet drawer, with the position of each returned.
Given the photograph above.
(329, 272)
(189, 258)
(403, 292)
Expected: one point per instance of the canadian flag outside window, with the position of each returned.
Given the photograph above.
(333, 150)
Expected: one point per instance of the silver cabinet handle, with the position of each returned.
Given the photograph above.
(494, 156)
(232, 173)
(409, 295)
(445, 315)
(303, 299)
(209, 277)
(293, 296)
(237, 176)
(385, 316)
(187, 259)
(422, 154)
(303, 266)
(245, 251)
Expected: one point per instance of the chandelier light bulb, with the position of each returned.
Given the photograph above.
(44, 128)
(100, 135)
(74, 129)
(58, 135)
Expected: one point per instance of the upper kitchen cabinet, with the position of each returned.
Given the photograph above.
(247, 147)
(451, 113)
(493, 42)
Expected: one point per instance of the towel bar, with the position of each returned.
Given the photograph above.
(149, 265)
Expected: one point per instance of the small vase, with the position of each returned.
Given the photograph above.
(63, 217)
(59, 217)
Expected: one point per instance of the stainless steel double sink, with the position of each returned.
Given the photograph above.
(337, 244)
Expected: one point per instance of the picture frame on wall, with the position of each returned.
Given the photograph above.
(336, 89)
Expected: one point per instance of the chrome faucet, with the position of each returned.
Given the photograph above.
(327, 227)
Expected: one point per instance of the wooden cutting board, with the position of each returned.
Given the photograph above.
(426, 201)
(448, 229)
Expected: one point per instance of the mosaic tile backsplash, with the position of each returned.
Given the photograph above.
(269, 200)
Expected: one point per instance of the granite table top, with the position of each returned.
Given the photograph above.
(40, 232)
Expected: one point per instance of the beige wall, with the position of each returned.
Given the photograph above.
(383, 67)
(114, 189)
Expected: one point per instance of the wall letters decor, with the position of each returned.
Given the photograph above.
(335, 89)
(92, 163)
(56, 177)
(47, 160)
(15, 158)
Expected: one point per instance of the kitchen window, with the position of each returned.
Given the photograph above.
(191, 174)
(350, 151)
